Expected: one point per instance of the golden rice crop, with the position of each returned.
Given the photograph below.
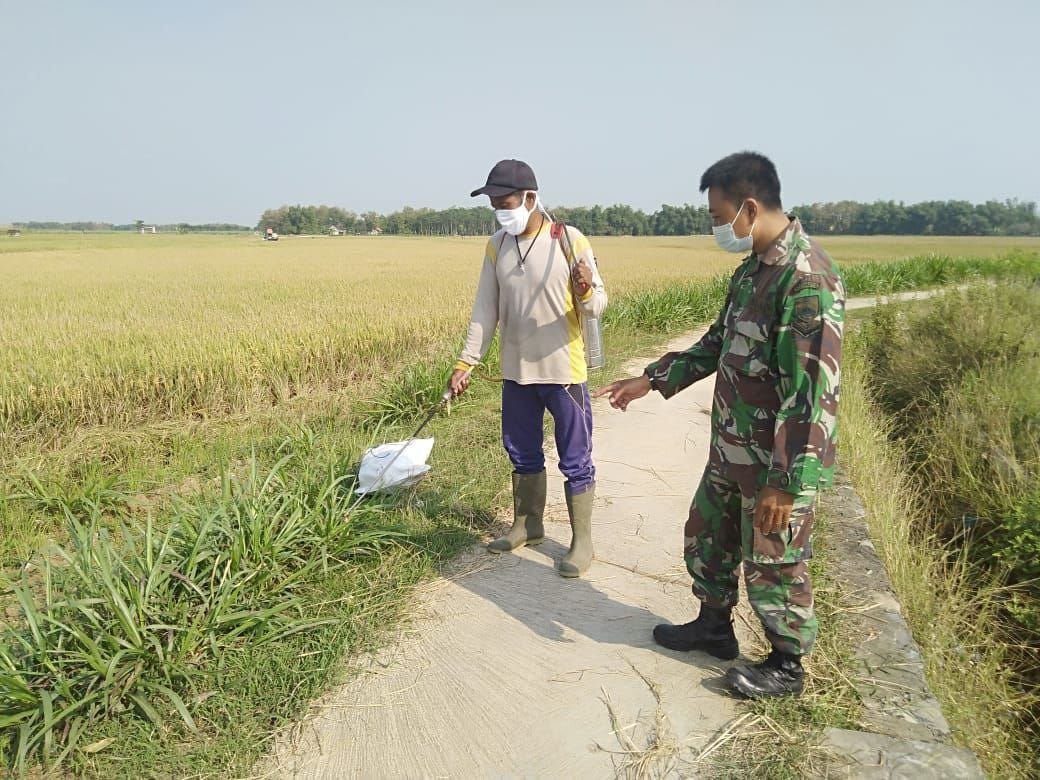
(122, 328)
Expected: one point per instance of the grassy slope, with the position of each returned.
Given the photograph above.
(950, 610)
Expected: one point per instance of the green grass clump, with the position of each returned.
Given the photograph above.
(182, 640)
(959, 379)
(669, 308)
(941, 431)
(139, 619)
(915, 273)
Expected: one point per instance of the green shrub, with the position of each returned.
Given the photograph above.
(960, 378)
(983, 467)
(917, 357)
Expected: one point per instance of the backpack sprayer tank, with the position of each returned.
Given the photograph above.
(591, 327)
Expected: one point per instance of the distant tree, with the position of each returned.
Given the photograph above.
(844, 217)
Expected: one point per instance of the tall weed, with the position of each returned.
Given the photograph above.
(141, 619)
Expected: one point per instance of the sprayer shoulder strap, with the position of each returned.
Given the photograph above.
(563, 237)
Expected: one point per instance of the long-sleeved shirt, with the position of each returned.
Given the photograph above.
(776, 349)
(525, 291)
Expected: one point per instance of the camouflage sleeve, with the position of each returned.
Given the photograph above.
(676, 371)
(808, 349)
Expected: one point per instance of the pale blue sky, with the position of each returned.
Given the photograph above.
(213, 111)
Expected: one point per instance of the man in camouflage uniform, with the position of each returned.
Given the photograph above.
(776, 352)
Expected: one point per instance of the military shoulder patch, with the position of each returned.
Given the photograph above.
(808, 318)
(805, 283)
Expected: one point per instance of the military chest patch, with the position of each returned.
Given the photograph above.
(807, 283)
(807, 318)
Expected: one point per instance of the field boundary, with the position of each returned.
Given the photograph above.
(903, 727)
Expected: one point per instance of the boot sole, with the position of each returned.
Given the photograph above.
(724, 651)
(528, 543)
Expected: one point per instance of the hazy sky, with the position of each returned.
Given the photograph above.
(213, 111)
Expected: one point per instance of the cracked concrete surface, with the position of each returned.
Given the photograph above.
(514, 671)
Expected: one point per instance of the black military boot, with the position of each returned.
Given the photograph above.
(780, 674)
(711, 632)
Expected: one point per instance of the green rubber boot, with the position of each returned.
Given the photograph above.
(578, 559)
(528, 508)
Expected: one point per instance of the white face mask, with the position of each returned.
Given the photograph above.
(514, 221)
(727, 239)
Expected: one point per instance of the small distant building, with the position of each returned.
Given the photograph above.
(149, 229)
(376, 231)
(14, 232)
(334, 231)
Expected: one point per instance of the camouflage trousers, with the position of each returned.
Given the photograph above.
(719, 535)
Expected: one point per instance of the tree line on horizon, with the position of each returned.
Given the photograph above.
(936, 217)
(104, 227)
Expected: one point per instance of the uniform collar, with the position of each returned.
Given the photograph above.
(780, 250)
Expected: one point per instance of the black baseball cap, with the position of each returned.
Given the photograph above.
(507, 176)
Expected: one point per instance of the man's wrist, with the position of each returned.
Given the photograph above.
(781, 480)
(788, 482)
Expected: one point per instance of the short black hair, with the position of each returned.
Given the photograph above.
(745, 175)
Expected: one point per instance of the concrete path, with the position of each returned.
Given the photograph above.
(915, 295)
(514, 671)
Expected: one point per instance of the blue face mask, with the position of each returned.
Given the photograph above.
(727, 239)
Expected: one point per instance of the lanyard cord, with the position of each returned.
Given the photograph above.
(523, 256)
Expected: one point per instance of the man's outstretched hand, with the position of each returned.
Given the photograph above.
(625, 391)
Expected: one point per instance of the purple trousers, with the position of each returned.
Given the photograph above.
(523, 411)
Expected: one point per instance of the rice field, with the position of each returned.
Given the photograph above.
(118, 330)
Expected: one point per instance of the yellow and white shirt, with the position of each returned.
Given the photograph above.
(533, 304)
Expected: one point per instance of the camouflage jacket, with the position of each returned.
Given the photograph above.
(776, 348)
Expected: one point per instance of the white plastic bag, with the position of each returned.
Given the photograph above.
(407, 469)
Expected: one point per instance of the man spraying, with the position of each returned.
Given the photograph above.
(535, 285)
(776, 352)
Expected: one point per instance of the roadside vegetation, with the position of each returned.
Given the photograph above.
(941, 408)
